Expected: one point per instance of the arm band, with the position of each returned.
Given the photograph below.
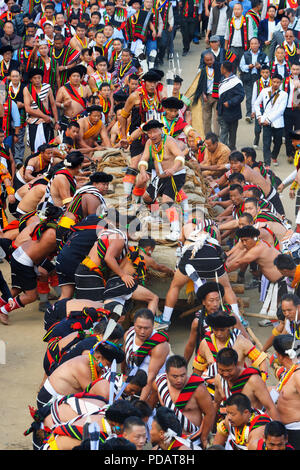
(67, 200)
(262, 356)
(180, 159)
(221, 428)
(143, 163)
(30, 168)
(124, 114)
(199, 363)
(275, 332)
(10, 190)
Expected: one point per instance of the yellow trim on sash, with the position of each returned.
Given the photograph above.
(66, 222)
(52, 443)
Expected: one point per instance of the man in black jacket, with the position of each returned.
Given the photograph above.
(207, 90)
(231, 95)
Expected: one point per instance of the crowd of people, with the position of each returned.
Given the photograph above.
(79, 79)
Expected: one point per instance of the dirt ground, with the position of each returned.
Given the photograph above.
(22, 372)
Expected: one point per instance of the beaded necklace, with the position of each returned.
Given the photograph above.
(135, 18)
(240, 436)
(124, 70)
(149, 103)
(242, 22)
(210, 76)
(215, 343)
(2, 69)
(170, 127)
(160, 150)
(93, 367)
(286, 377)
(55, 57)
(81, 42)
(290, 52)
(10, 91)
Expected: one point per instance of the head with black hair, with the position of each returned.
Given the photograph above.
(103, 353)
(227, 68)
(256, 5)
(275, 436)
(143, 322)
(290, 306)
(252, 191)
(251, 206)
(164, 420)
(282, 345)
(74, 160)
(118, 412)
(249, 154)
(227, 363)
(248, 236)
(211, 142)
(236, 194)
(286, 265)
(116, 336)
(237, 161)
(144, 408)
(220, 322)
(238, 409)
(245, 219)
(236, 178)
(176, 370)
(133, 82)
(101, 181)
(136, 383)
(147, 244)
(134, 429)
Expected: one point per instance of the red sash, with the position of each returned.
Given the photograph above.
(188, 391)
(74, 94)
(37, 100)
(145, 349)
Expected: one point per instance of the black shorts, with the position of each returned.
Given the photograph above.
(206, 262)
(43, 398)
(47, 265)
(89, 284)
(136, 148)
(55, 313)
(167, 186)
(22, 277)
(66, 276)
(115, 287)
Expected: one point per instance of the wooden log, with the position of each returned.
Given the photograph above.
(238, 288)
(260, 315)
(254, 338)
(189, 312)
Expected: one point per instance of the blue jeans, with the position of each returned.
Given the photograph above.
(151, 45)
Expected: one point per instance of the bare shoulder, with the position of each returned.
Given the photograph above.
(161, 350)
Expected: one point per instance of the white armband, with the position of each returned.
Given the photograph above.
(143, 163)
(30, 168)
(180, 159)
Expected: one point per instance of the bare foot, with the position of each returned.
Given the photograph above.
(4, 319)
